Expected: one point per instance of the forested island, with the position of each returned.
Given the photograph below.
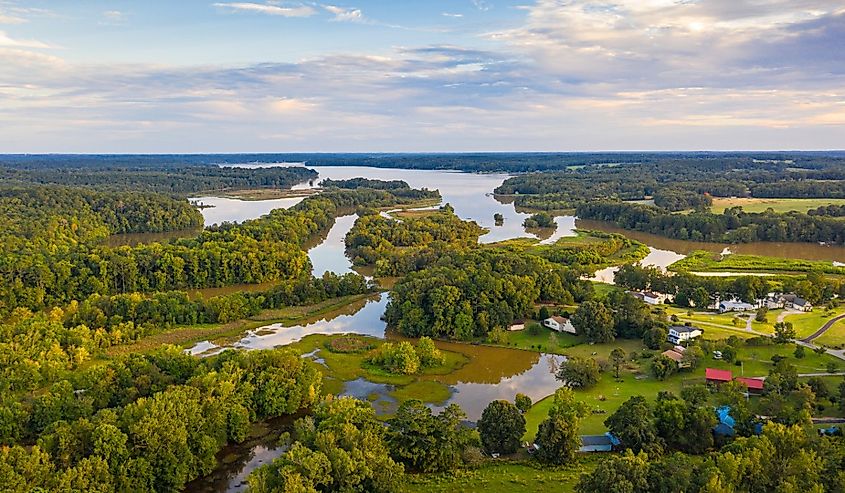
(103, 387)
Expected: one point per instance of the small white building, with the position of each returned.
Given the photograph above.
(735, 306)
(559, 324)
(683, 333)
(517, 325)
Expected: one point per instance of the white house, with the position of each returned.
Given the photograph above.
(682, 333)
(735, 306)
(559, 324)
(517, 325)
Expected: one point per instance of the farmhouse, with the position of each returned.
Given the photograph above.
(681, 333)
(797, 303)
(676, 354)
(649, 297)
(754, 385)
(734, 306)
(517, 324)
(559, 324)
(712, 375)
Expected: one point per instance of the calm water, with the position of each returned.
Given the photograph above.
(328, 252)
(469, 193)
(235, 210)
(362, 317)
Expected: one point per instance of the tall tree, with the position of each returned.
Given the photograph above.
(633, 425)
(501, 427)
(594, 320)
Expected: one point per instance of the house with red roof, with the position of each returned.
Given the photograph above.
(712, 375)
(754, 385)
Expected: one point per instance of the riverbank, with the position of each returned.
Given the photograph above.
(192, 334)
(703, 261)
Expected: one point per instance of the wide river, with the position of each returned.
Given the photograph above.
(494, 373)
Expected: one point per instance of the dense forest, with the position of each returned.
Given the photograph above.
(165, 175)
(468, 294)
(399, 246)
(63, 263)
(146, 422)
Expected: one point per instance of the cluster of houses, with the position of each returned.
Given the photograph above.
(772, 301)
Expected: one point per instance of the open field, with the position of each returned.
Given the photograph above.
(778, 205)
(807, 323)
(702, 261)
(834, 337)
(502, 476)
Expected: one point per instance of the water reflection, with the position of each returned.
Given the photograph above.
(133, 239)
(656, 257)
(363, 317)
(235, 210)
(237, 461)
(537, 382)
(328, 252)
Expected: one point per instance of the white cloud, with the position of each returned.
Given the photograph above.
(11, 19)
(480, 5)
(449, 14)
(343, 14)
(7, 41)
(298, 10)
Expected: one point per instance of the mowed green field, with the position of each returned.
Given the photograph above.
(779, 205)
(506, 477)
(807, 323)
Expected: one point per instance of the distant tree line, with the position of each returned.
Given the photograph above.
(114, 174)
(732, 226)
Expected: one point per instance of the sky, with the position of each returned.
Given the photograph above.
(152, 76)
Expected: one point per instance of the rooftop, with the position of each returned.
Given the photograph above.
(719, 375)
(684, 328)
(751, 383)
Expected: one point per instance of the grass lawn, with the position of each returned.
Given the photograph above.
(718, 325)
(549, 341)
(608, 394)
(602, 289)
(807, 323)
(779, 205)
(506, 477)
(834, 337)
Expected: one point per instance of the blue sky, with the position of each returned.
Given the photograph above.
(450, 75)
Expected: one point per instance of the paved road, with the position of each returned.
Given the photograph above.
(727, 327)
(823, 329)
